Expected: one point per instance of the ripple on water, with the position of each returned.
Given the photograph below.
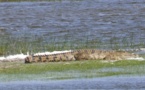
(96, 17)
(117, 82)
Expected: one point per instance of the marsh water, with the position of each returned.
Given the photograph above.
(94, 21)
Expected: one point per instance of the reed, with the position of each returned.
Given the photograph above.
(14, 45)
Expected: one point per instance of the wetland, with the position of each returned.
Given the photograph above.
(66, 25)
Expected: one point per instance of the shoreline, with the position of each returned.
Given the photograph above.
(21, 56)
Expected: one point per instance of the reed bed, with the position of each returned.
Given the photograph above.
(12, 45)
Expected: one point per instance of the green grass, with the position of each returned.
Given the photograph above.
(73, 69)
(37, 68)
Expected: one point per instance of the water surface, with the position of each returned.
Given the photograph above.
(116, 82)
(107, 21)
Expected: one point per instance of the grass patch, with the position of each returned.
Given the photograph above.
(73, 69)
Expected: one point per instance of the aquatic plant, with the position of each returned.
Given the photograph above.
(18, 45)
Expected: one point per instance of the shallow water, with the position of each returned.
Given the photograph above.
(116, 82)
(109, 21)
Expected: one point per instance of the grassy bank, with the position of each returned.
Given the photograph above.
(66, 70)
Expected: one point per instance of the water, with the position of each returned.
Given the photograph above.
(107, 21)
(116, 82)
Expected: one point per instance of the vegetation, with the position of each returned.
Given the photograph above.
(64, 70)
(13, 45)
(73, 69)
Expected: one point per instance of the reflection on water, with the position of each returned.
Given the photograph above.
(112, 21)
